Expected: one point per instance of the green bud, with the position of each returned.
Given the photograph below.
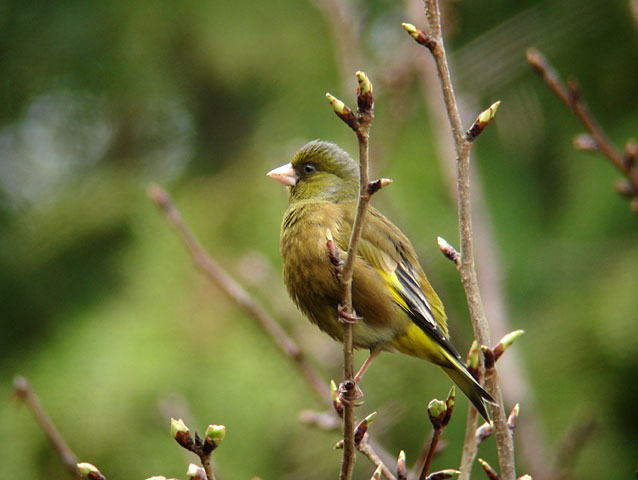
(215, 434)
(437, 410)
(90, 471)
(338, 445)
(337, 105)
(181, 433)
(411, 29)
(364, 83)
(506, 342)
(482, 121)
(488, 115)
(370, 418)
(177, 427)
(449, 403)
(473, 356)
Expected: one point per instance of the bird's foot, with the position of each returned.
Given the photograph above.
(347, 317)
(349, 393)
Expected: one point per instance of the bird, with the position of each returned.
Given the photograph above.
(397, 308)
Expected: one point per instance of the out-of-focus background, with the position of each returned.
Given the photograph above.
(103, 312)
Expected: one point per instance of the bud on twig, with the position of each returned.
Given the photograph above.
(482, 121)
(420, 36)
(362, 428)
(491, 473)
(506, 342)
(484, 432)
(585, 142)
(378, 184)
(213, 436)
(513, 417)
(402, 469)
(437, 410)
(336, 401)
(472, 361)
(488, 355)
(342, 111)
(364, 93)
(377, 473)
(442, 474)
(181, 433)
(89, 471)
(449, 251)
(195, 473)
(525, 477)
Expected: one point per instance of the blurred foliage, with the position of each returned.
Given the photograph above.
(105, 315)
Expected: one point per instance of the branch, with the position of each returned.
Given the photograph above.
(25, 394)
(571, 96)
(238, 294)
(440, 413)
(361, 124)
(433, 40)
(203, 448)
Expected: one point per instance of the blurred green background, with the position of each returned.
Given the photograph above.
(103, 312)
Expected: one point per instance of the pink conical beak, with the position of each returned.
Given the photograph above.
(284, 174)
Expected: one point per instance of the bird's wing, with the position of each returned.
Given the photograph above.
(384, 247)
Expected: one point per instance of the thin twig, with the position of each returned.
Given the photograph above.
(571, 95)
(571, 446)
(366, 449)
(436, 436)
(24, 393)
(361, 125)
(238, 294)
(467, 269)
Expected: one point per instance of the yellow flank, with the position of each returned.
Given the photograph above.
(393, 282)
(415, 342)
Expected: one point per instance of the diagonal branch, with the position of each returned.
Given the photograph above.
(238, 294)
(571, 96)
(24, 393)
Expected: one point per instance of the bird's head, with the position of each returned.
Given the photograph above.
(320, 171)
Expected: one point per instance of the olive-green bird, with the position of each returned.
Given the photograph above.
(398, 307)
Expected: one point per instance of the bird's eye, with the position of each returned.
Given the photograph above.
(309, 168)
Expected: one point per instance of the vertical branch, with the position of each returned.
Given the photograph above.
(361, 124)
(433, 40)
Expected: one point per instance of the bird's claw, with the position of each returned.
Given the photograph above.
(349, 392)
(347, 317)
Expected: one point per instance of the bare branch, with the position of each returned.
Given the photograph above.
(571, 95)
(361, 125)
(238, 294)
(467, 269)
(24, 393)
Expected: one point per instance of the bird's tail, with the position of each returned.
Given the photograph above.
(459, 374)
